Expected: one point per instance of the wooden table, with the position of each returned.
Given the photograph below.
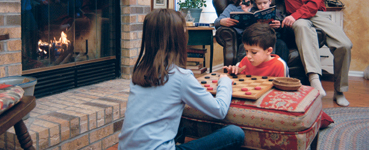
(202, 36)
(13, 117)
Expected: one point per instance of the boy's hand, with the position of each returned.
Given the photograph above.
(288, 21)
(234, 69)
(228, 22)
(275, 24)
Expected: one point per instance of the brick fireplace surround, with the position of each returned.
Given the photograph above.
(84, 118)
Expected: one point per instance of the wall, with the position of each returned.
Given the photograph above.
(10, 49)
(356, 26)
(133, 14)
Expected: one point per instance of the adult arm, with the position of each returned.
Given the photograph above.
(225, 15)
(196, 96)
(307, 9)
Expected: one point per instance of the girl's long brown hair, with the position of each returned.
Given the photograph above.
(164, 42)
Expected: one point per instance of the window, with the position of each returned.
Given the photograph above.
(208, 14)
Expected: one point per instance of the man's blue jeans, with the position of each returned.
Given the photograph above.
(230, 137)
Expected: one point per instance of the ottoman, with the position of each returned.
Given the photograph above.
(277, 120)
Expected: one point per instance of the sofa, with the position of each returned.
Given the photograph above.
(227, 37)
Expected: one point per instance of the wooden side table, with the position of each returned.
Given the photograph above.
(202, 36)
(13, 117)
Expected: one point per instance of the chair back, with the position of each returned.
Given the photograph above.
(220, 5)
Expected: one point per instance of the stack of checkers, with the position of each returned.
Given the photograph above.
(244, 86)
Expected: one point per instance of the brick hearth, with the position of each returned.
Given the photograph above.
(89, 117)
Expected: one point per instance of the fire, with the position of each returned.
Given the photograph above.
(43, 44)
(63, 40)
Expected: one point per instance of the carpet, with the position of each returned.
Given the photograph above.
(350, 130)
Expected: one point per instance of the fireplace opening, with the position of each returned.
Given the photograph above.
(70, 35)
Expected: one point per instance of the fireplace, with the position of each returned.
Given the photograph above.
(70, 43)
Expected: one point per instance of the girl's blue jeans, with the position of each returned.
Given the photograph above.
(230, 137)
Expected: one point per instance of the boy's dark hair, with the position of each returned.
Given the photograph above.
(259, 34)
(164, 43)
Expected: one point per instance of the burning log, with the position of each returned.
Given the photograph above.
(67, 59)
(63, 53)
(43, 49)
(59, 51)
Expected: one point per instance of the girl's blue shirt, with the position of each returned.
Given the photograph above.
(153, 113)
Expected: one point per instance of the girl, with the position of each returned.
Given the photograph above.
(160, 88)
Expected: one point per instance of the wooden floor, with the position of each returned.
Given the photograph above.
(358, 96)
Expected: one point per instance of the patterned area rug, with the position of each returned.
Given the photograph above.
(350, 130)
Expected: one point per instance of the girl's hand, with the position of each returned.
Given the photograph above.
(224, 76)
(275, 24)
(228, 22)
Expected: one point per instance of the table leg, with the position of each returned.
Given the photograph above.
(211, 53)
(23, 136)
(203, 47)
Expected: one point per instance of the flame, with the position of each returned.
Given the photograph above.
(62, 40)
(40, 43)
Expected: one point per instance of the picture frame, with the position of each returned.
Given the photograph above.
(159, 4)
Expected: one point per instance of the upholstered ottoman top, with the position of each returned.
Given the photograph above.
(275, 110)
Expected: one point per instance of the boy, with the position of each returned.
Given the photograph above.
(281, 48)
(259, 40)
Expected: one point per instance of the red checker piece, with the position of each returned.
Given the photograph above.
(207, 85)
(214, 81)
(258, 88)
(248, 93)
(244, 89)
(210, 88)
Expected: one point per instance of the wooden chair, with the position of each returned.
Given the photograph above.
(13, 117)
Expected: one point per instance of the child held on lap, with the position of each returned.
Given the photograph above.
(258, 40)
(161, 87)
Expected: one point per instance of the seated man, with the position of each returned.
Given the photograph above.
(304, 16)
(258, 41)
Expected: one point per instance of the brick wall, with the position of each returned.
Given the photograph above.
(133, 14)
(10, 49)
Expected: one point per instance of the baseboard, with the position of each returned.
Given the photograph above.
(217, 67)
(356, 73)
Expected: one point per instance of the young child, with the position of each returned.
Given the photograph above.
(258, 40)
(281, 48)
(160, 88)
